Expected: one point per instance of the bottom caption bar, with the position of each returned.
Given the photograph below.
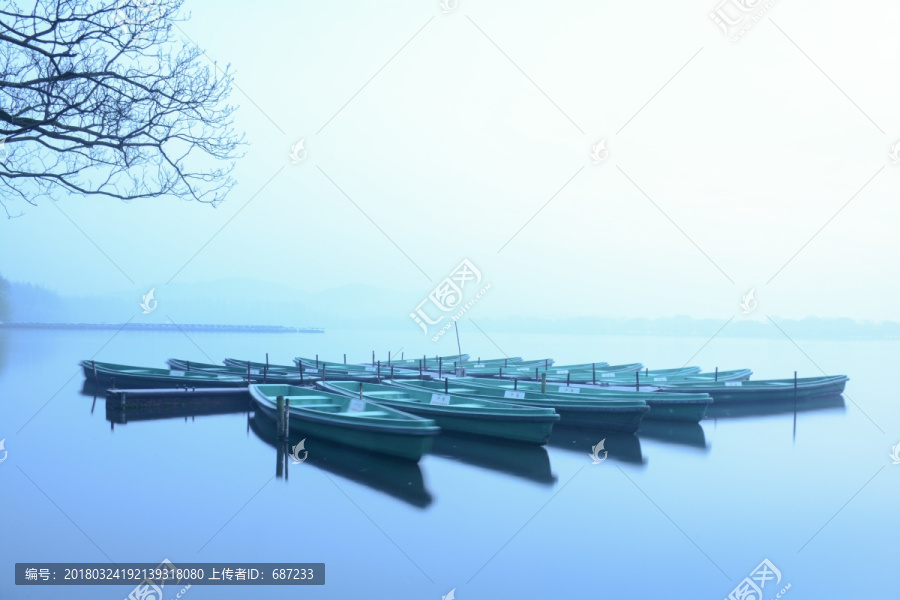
(157, 576)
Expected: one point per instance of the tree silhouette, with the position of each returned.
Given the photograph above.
(101, 98)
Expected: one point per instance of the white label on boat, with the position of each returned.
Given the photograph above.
(570, 390)
(478, 366)
(441, 399)
(607, 375)
(174, 372)
(514, 394)
(356, 405)
(562, 372)
(733, 383)
(659, 379)
(310, 370)
(371, 368)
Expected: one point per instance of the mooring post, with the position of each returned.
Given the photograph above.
(360, 391)
(543, 383)
(479, 360)
(392, 372)
(188, 366)
(378, 373)
(536, 374)
(647, 372)
(317, 361)
(567, 378)
(717, 373)
(546, 363)
(249, 381)
(323, 372)
(345, 358)
(279, 417)
(122, 400)
(440, 366)
(401, 356)
(301, 372)
(501, 373)
(446, 386)
(266, 369)
(505, 362)
(515, 383)
(594, 373)
(389, 358)
(287, 418)
(373, 358)
(637, 381)
(112, 382)
(420, 369)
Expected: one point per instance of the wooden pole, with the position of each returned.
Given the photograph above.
(345, 358)
(515, 383)
(279, 417)
(96, 378)
(323, 372)
(567, 378)
(717, 373)
(446, 386)
(287, 418)
(594, 372)
(266, 370)
(378, 373)
(373, 358)
(392, 372)
(440, 365)
(188, 366)
(389, 358)
(543, 383)
(637, 381)
(420, 369)
(249, 381)
(536, 374)
(317, 361)
(360, 391)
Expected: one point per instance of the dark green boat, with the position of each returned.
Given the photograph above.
(665, 406)
(122, 376)
(764, 389)
(351, 421)
(612, 414)
(458, 413)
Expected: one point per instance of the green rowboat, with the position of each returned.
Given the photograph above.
(614, 414)
(665, 406)
(764, 389)
(458, 413)
(351, 421)
(101, 374)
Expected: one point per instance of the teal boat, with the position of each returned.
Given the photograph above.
(266, 374)
(613, 414)
(664, 406)
(125, 376)
(764, 389)
(656, 378)
(458, 413)
(350, 421)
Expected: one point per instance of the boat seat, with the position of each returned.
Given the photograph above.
(311, 397)
(324, 407)
(467, 405)
(366, 413)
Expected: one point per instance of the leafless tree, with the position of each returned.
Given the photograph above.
(105, 98)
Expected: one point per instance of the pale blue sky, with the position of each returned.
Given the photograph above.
(450, 149)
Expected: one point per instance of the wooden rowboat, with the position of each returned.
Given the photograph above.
(458, 413)
(350, 421)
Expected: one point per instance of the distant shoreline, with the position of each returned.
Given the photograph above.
(166, 327)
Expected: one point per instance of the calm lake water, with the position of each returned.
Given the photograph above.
(675, 511)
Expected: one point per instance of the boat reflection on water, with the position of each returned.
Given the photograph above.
(401, 479)
(520, 460)
(674, 432)
(728, 410)
(621, 446)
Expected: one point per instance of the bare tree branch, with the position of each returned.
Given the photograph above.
(99, 98)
